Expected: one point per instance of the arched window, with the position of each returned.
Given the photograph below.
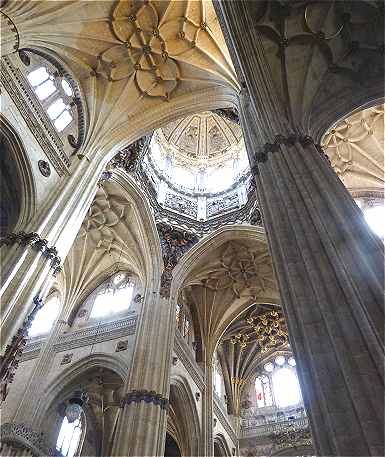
(55, 93)
(217, 378)
(183, 322)
(42, 82)
(280, 378)
(69, 440)
(263, 391)
(45, 317)
(115, 297)
(286, 387)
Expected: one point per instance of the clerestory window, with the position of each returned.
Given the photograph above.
(45, 317)
(115, 297)
(55, 93)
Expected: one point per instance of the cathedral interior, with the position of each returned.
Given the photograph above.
(192, 228)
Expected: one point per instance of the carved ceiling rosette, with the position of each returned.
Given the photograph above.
(241, 269)
(356, 149)
(142, 53)
(151, 43)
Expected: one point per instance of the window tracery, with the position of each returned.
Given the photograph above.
(55, 94)
(183, 322)
(69, 439)
(278, 383)
(45, 317)
(114, 297)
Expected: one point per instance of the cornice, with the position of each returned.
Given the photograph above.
(35, 117)
(84, 337)
(185, 355)
(225, 422)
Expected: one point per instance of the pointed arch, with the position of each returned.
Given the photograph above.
(17, 181)
(183, 419)
(57, 387)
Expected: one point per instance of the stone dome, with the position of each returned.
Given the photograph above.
(202, 140)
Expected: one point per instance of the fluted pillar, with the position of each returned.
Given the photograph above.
(28, 264)
(329, 267)
(142, 423)
(208, 416)
(328, 263)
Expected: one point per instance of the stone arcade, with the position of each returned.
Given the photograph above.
(192, 228)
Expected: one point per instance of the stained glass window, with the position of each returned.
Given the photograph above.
(68, 441)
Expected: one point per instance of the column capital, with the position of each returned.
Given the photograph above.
(148, 396)
(287, 140)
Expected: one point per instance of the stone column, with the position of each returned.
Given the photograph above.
(329, 268)
(29, 262)
(328, 264)
(142, 423)
(208, 416)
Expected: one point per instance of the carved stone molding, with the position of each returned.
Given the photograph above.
(174, 243)
(148, 396)
(290, 140)
(84, 337)
(44, 168)
(292, 436)
(37, 243)
(10, 360)
(35, 117)
(225, 422)
(22, 437)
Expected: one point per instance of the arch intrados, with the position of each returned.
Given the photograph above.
(142, 124)
(181, 391)
(23, 169)
(223, 447)
(211, 242)
(333, 114)
(72, 373)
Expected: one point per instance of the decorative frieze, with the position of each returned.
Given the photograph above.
(148, 396)
(34, 116)
(20, 436)
(290, 140)
(174, 243)
(292, 436)
(37, 243)
(84, 337)
(10, 360)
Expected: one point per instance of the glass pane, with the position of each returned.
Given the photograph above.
(269, 367)
(375, 217)
(280, 360)
(67, 88)
(45, 90)
(286, 387)
(63, 120)
(37, 76)
(69, 437)
(217, 383)
(57, 107)
(45, 317)
(259, 393)
(291, 362)
(112, 301)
